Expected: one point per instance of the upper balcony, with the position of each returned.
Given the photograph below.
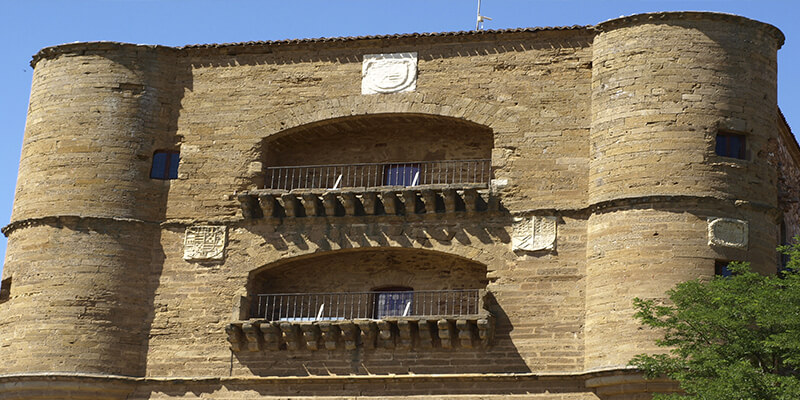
(381, 164)
(394, 188)
(377, 175)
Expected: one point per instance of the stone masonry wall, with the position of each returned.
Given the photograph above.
(87, 214)
(226, 117)
(662, 89)
(454, 81)
(787, 156)
(609, 131)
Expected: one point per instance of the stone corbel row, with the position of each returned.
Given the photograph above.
(402, 334)
(405, 201)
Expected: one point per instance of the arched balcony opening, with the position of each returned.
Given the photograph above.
(350, 284)
(376, 164)
(389, 297)
(379, 150)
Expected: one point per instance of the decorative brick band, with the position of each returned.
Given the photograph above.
(617, 380)
(66, 219)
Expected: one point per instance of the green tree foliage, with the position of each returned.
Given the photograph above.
(729, 338)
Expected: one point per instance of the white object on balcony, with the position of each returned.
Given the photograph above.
(407, 309)
(321, 310)
(415, 181)
(338, 182)
(389, 73)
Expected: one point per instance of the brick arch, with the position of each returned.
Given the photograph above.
(365, 269)
(443, 251)
(499, 119)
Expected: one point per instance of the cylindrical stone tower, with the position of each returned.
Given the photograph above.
(663, 86)
(84, 229)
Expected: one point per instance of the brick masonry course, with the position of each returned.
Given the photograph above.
(610, 129)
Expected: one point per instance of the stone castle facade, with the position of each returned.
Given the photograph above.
(448, 215)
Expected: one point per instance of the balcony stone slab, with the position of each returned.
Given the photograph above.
(398, 333)
(270, 204)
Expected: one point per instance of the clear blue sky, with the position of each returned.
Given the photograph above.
(26, 26)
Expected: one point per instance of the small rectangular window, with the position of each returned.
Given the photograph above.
(730, 145)
(721, 268)
(5, 289)
(401, 174)
(165, 165)
(393, 304)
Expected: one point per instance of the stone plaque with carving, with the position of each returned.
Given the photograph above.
(203, 243)
(727, 232)
(534, 233)
(389, 73)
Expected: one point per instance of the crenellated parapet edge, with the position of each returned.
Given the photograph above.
(660, 17)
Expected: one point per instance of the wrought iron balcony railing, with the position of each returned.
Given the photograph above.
(367, 305)
(339, 176)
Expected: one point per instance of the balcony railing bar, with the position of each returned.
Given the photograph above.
(336, 176)
(366, 305)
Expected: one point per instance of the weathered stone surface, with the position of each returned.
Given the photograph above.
(534, 233)
(204, 243)
(389, 73)
(728, 232)
(611, 128)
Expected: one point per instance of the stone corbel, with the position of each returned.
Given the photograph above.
(486, 330)
(350, 203)
(369, 333)
(291, 335)
(464, 333)
(330, 334)
(446, 330)
(291, 205)
(429, 198)
(427, 334)
(330, 202)
(311, 336)
(311, 204)
(253, 336)
(370, 201)
(471, 198)
(406, 330)
(410, 201)
(271, 335)
(267, 203)
(450, 200)
(249, 206)
(391, 204)
(349, 334)
(235, 337)
(385, 334)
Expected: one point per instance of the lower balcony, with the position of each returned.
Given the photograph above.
(393, 319)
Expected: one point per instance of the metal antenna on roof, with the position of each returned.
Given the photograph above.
(481, 18)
